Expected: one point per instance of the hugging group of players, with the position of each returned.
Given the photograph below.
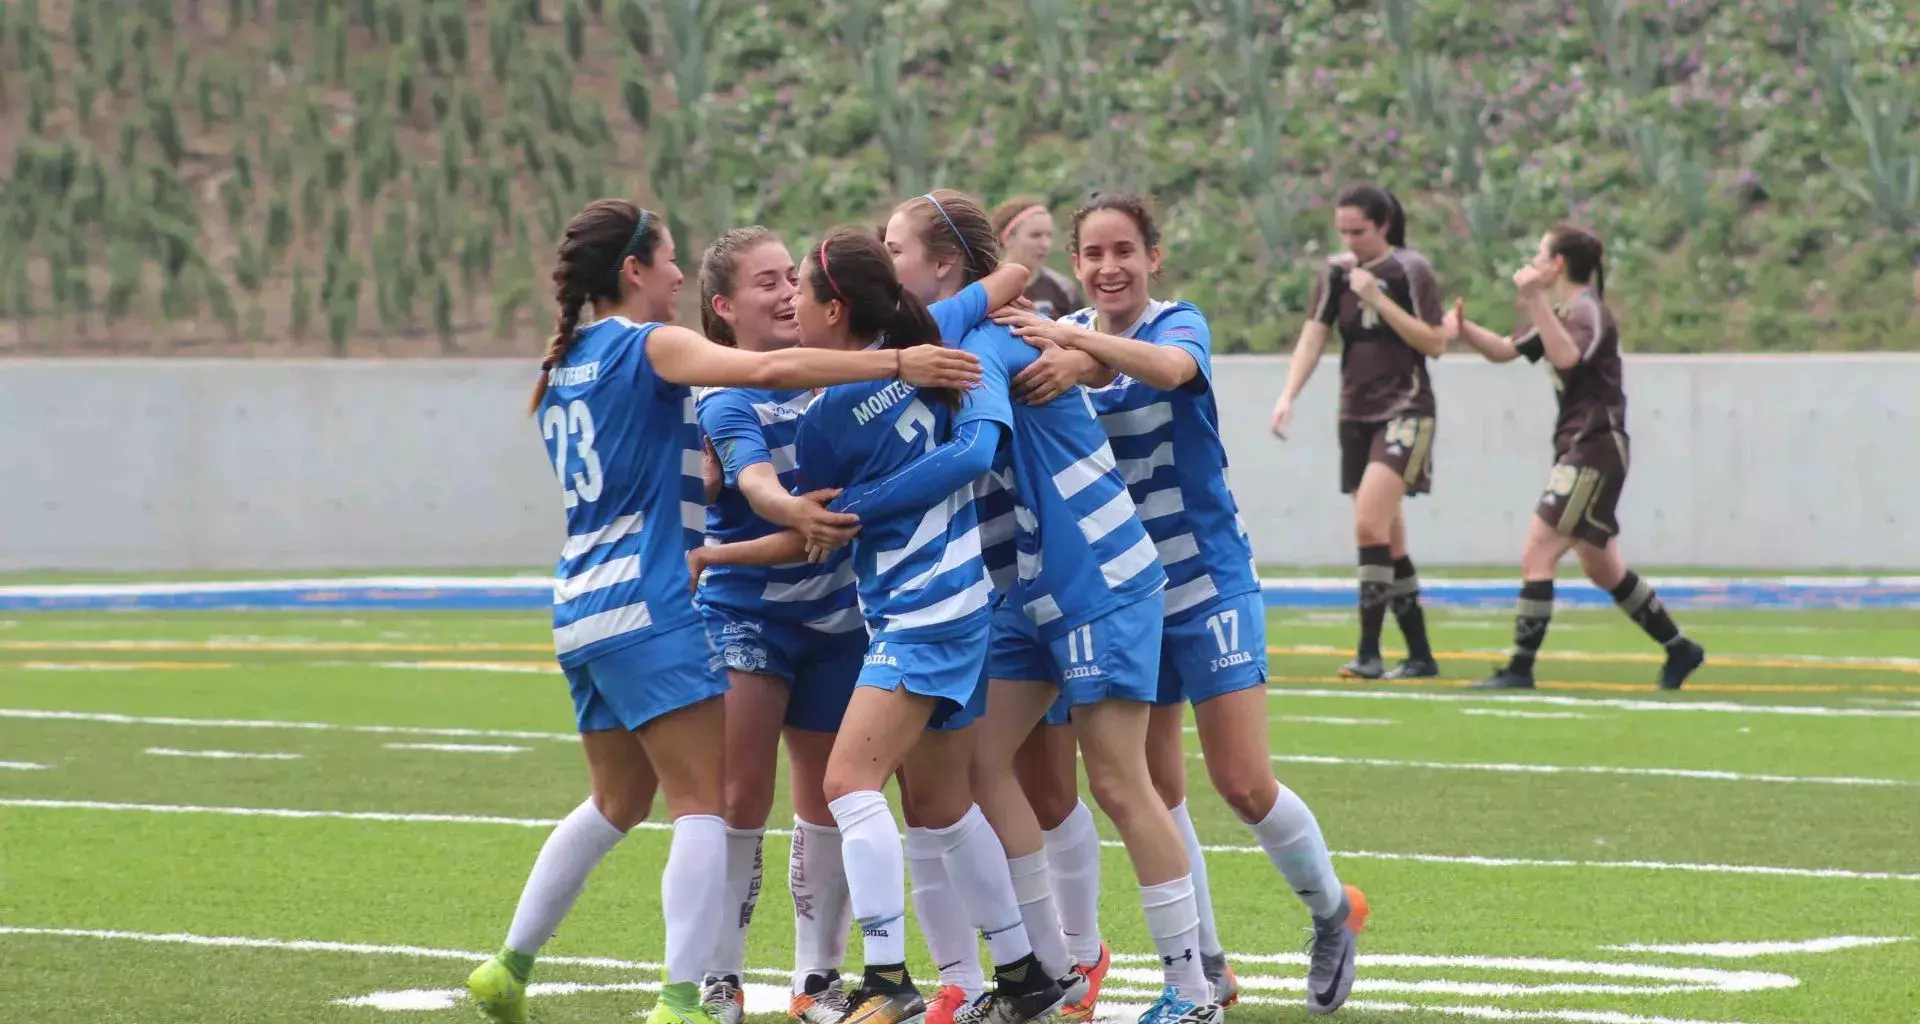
(950, 524)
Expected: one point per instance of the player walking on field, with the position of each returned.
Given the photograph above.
(614, 406)
(1080, 620)
(1386, 302)
(1160, 415)
(926, 596)
(1564, 319)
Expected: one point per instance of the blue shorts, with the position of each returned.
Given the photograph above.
(1114, 657)
(629, 687)
(952, 670)
(818, 668)
(1221, 648)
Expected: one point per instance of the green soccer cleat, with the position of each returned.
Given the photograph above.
(502, 997)
(679, 1003)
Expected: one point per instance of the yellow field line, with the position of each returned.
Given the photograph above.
(294, 646)
(1625, 657)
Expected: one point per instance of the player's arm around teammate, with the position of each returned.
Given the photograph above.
(645, 692)
(1386, 302)
(1164, 427)
(1561, 295)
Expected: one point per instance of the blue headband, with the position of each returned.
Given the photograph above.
(955, 227)
(632, 240)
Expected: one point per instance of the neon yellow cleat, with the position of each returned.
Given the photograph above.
(679, 1003)
(502, 997)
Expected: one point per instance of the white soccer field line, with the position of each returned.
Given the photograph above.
(1611, 703)
(1468, 860)
(222, 755)
(1590, 769)
(461, 748)
(770, 998)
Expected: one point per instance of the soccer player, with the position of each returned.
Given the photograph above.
(1386, 302)
(790, 637)
(926, 597)
(1160, 414)
(1080, 621)
(1565, 320)
(613, 405)
(1024, 228)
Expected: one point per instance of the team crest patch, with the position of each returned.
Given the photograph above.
(745, 657)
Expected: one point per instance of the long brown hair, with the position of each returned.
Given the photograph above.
(852, 267)
(1381, 207)
(952, 226)
(1584, 253)
(593, 249)
(717, 265)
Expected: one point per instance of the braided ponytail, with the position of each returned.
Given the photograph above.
(593, 249)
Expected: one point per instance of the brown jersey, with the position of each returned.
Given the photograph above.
(1381, 376)
(1054, 294)
(1593, 398)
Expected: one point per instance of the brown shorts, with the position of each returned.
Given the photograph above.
(1582, 498)
(1404, 445)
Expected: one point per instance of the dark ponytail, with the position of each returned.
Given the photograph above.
(1584, 253)
(1381, 207)
(852, 267)
(593, 249)
(952, 226)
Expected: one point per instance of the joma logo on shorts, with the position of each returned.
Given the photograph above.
(879, 656)
(1081, 672)
(1230, 660)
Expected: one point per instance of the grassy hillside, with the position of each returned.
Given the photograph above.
(368, 176)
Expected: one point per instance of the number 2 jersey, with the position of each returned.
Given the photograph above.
(747, 426)
(1079, 550)
(1167, 447)
(625, 446)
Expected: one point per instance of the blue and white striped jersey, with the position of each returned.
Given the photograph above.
(920, 574)
(1167, 447)
(626, 448)
(1080, 551)
(747, 426)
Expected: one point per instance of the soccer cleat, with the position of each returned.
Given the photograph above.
(948, 1006)
(502, 997)
(899, 1005)
(1504, 679)
(822, 1002)
(969, 1013)
(1682, 658)
(1226, 987)
(1004, 1004)
(679, 1003)
(1081, 997)
(722, 996)
(1414, 668)
(1171, 1009)
(1370, 667)
(1331, 955)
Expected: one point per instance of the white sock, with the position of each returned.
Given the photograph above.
(821, 909)
(693, 896)
(559, 874)
(1292, 840)
(943, 920)
(977, 864)
(743, 893)
(1035, 897)
(876, 873)
(1174, 923)
(1073, 864)
(1202, 894)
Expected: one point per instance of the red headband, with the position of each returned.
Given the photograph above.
(1007, 232)
(831, 283)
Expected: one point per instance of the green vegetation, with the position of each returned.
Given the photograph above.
(354, 176)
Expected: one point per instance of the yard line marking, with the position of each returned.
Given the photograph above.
(1588, 769)
(462, 748)
(112, 718)
(1723, 707)
(1716, 978)
(1577, 685)
(1515, 713)
(121, 666)
(1494, 989)
(222, 755)
(1502, 1013)
(1313, 720)
(1750, 950)
(533, 667)
(1892, 663)
(660, 826)
(23, 766)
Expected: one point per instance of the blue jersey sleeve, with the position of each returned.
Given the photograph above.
(816, 463)
(727, 417)
(1187, 330)
(988, 401)
(928, 478)
(956, 316)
